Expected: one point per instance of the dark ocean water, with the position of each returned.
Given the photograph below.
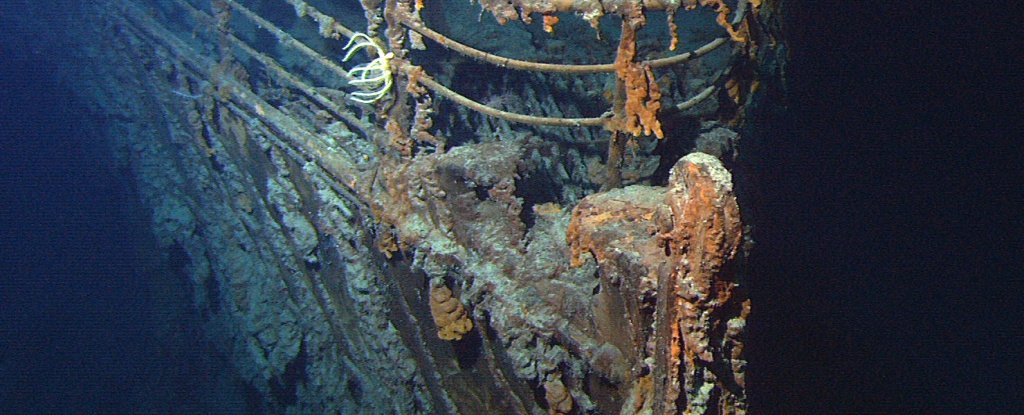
(92, 320)
(890, 249)
(74, 332)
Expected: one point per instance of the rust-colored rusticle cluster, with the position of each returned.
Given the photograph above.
(449, 314)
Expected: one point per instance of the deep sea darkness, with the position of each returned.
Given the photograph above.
(73, 333)
(887, 270)
(91, 318)
(885, 279)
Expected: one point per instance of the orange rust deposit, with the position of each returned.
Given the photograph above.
(696, 292)
(549, 23)
(642, 99)
(449, 314)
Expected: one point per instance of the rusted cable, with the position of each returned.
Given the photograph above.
(442, 90)
(335, 109)
(554, 67)
(328, 25)
(435, 86)
(505, 115)
(290, 132)
(697, 99)
(286, 39)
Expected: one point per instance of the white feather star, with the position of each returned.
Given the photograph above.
(373, 78)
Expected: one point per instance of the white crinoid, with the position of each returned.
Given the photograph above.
(372, 78)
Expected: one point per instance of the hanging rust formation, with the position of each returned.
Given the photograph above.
(449, 314)
(419, 238)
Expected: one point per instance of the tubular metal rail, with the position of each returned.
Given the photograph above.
(636, 99)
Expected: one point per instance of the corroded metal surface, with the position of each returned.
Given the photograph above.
(668, 254)
(416, 256)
